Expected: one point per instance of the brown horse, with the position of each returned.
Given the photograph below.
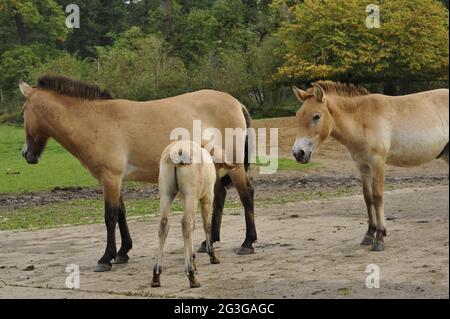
(120, 140)
(377, 130)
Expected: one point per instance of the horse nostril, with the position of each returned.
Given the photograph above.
(302, 153)
(24, 153)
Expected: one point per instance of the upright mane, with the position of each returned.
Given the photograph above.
(66, 86)
(342, 89)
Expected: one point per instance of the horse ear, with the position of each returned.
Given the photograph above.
(25, 89)
(300, 94)
(319, 92)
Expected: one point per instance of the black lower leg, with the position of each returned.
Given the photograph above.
(370, 235)
(111, 213)
(251, 236)
(220, 193)
(156, 281)
(127, 243)
(378, 244)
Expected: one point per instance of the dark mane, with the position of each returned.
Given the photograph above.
(342, 89)
(70, 87)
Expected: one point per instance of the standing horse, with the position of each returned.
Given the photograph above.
(120, 140)
(376, 129)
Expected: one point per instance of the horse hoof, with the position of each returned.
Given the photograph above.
(367, 241)
(214, 261)
(102, 268)
(120, 260)
(377, 246)
(245, 251)
(195, 284)
(155, 284)
(202, 249)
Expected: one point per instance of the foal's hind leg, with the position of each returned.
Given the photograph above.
(206, 205)
(187, 223)
(111, 192)
(127, 243)
(366, 178)
(165, 202)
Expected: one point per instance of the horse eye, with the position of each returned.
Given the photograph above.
(317, 117)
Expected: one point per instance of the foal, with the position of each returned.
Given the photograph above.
(189, 171)
(376, 129)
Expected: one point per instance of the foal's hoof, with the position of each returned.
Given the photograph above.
(155, 283)
(214, 260)
(367, 241)
(202, 248)
(102, 268)
(194, 283)
(120, 260)
(246, 251)
(378, 246)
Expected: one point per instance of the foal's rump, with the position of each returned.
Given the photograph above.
(419, 127)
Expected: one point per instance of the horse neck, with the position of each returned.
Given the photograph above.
(344, 112)
(62, 124)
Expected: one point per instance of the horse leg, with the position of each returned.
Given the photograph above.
(165, 202)
(246, 194)
(127, 243)
(187, 225)
(366, 178)
(220, 193)
(111, 193)
(378, 202)
(206, 205)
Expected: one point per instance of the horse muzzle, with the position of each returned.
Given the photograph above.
(30, 158)
(302, 157)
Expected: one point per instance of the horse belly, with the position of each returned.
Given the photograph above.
(416, 147)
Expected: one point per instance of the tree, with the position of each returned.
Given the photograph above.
(329, 39)
(31, 21)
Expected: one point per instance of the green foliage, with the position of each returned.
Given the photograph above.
(139, 67)
(253, 49)
(329, 39)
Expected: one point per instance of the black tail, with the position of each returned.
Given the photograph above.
(248, 122)
(226, 180)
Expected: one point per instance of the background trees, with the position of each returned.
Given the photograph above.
(253, 49)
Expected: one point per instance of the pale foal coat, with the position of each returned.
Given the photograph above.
(189, 171)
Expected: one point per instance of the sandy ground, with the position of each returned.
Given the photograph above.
(304, 250)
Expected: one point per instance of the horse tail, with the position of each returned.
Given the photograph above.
(248, 122)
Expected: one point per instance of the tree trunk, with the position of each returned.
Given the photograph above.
(23, 34)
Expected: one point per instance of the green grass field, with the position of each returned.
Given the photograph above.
(57, 167)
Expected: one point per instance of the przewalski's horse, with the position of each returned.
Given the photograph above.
(121, 140)
(189, 171)
(376, 129)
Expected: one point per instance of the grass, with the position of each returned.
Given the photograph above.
(286, 164)
(83, 212)
(58, 168)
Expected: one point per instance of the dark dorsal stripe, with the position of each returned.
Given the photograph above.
(66, 86)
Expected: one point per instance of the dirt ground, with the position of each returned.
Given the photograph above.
(305, 249)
